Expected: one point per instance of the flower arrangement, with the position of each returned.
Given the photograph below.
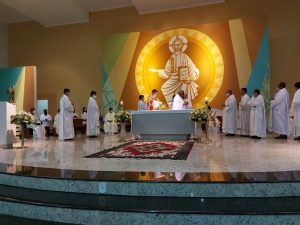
(123, 116)
(21, 118)
(199, 115)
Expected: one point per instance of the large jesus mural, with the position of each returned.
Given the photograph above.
(180, 71)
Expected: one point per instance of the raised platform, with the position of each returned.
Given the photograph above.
(230, 178)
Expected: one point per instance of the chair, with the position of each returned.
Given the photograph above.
(79, 126)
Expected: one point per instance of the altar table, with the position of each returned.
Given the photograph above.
(162, 124)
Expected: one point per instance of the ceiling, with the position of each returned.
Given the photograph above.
(60, 12)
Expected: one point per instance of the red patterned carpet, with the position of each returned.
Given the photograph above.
(176, 150)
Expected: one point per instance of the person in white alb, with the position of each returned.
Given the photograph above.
(66, 126)
(229, 115)
(93, 116)
(83, 115)
(244, 113)
(46, 121)
(188, 102)
(295, 111)
(179, 103)
(142, 105)
(56, 122)
(38, 131)
(280, 112)
(110, 125)
(257, 116)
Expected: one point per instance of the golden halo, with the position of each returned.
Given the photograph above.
(206, 43)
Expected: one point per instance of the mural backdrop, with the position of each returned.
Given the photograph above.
(204, 61)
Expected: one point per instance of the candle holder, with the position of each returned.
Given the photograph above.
(121, 105)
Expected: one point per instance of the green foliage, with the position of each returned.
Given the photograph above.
(199, 115)
(123, 116)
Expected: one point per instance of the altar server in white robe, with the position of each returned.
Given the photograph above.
(142, 105)
(280, 112)
(295, 111)
(56, 122)
(92, 116)
(257, 116)
(179, 103)
(244, 113)
(229, 114)
(38, 130)
(110, 125)
(66, 126)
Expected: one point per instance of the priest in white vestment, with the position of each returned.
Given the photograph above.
(279, 113)
(257, 116)
(110, 125)
(244, 113)
(66, 126)
(230, 115)
(295, 111)
(180, 71)
(92, 116)
(179, 103)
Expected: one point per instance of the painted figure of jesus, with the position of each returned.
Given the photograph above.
(180, 71)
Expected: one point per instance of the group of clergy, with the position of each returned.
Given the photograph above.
(250, 117)
(64, 123)
(180, 101)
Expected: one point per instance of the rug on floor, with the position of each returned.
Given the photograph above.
(175, 150)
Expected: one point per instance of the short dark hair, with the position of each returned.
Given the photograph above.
(154, 91)
(93, 93)
(208, 107)
(229, 91)
(282, 85)
(141, 97)
(256, 91)
(66, 90)
(244, 90)
(297, 85)
(110, 109)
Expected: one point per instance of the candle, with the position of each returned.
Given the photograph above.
(206, 100)
(121, 103)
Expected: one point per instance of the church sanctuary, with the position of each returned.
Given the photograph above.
(149, 112)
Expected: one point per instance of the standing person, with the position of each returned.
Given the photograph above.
(178, 102)
(46, 120)
(83, 115)
(110, 125)
(244, 113)
(279, 112)
(92, 116)
(295, 110)
(141, 103)
(257, 116)
(66, 126)
(56, 122)
(153, 102)
(229, 114)
(188, 103)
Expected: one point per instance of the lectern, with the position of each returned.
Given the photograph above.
(7, 130)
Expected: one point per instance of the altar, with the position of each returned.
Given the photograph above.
(162, 124)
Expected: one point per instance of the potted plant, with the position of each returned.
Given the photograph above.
(122, 117)
(22, 119)
(199, 116)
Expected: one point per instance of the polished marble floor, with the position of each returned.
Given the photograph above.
(223, 154)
